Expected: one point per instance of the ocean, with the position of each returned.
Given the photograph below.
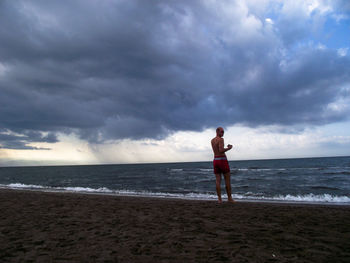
(304, 180)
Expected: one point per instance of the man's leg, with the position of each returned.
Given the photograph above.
(218, 186)
(227, 177)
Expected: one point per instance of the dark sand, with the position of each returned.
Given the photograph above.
(57, 227)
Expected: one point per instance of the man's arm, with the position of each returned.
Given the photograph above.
(222, 149)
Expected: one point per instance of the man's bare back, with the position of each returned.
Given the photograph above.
(217, 143)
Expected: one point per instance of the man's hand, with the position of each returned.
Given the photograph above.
(229, 146)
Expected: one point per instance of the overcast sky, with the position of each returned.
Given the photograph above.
(90, 81)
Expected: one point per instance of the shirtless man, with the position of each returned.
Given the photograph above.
(220, 163)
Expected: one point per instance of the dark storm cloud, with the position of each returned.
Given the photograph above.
(135, 69)
(13, 141)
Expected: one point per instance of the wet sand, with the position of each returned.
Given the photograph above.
(64, 227)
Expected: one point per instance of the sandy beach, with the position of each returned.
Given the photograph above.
(64, 227)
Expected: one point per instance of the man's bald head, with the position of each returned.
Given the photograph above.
(219, 131)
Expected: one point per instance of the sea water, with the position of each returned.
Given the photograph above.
(310, 180)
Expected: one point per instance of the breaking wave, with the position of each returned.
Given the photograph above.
(249, 196)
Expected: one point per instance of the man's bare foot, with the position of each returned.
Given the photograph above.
(219, 201)
(230, 200)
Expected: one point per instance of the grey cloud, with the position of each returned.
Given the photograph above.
(144, 69)
(14, 141)
(342, 5)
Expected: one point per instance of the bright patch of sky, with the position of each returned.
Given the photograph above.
(336, 34)
(258, 143)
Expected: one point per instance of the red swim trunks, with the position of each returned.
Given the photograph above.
(221, 165)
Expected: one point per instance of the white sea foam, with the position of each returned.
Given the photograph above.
(307, 198)
(176, 170)
(49, 188)
(315, 198)
(22, 186)
(206, 170)
(87, 189)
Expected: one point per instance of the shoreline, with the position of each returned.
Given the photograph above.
(160, 196)
(68, 227)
